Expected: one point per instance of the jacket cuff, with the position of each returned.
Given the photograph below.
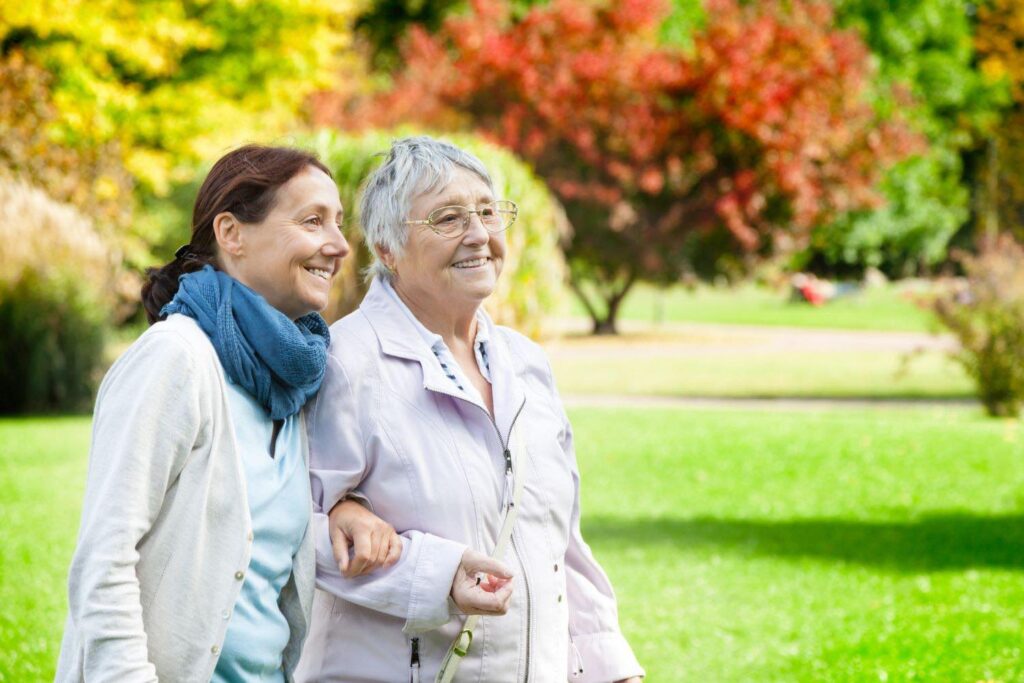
(436, 562)
(603, 657)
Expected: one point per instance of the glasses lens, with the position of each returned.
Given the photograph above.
(449, 220)
(505, 213)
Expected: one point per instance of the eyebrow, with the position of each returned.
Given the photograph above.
(462, 199)
(320, 208)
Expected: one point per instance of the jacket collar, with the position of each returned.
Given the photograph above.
(399, 338)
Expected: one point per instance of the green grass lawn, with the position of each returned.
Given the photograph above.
(865, 545)
(887, 307)
(769, 375)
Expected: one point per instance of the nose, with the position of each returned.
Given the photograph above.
(336, 245)
(476, 233)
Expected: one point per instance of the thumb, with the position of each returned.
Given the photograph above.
(478, 562)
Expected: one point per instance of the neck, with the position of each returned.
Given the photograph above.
(454, 322)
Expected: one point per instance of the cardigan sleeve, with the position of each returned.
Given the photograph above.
(416, 588)
(147, 418)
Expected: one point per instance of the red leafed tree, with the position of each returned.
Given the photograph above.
(665, 159)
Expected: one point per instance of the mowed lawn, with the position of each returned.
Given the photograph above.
(867, 545)
(889, 307)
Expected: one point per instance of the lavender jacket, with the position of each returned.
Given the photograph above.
(389, 423)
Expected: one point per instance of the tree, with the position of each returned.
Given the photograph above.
(999, 36)
(758, 132)
(927, 69)
(163, 85)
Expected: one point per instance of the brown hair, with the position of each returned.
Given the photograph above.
(243, 182)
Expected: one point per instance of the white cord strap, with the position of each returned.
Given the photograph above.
(460, 646)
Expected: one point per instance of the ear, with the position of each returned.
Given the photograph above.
(385, 256)
(228, 230)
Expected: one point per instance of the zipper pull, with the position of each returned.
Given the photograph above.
(508, 461)
(414, 662)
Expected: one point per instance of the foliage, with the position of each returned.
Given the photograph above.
(58, 288)
(165, 84)
(531, 285)
(761, 129)
(88, 176)
(999, 36)
(986, 313)
(924, 49)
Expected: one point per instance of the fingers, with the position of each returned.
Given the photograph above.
(394, 550)
(340, 545)
(364, 552)
(474, 600)
(478, 563)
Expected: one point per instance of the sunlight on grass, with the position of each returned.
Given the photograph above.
(744, 546)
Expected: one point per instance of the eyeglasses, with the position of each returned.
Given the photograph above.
(453, 221)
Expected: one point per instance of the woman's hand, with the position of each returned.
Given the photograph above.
(374, 542)
(482, 585)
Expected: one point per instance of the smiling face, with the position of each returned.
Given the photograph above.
(439, 272)
(293, 255)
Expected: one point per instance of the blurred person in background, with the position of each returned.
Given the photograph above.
(447, 423)
(195, 556)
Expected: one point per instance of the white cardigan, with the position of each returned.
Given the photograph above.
(166, 534)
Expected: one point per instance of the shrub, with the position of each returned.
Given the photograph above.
(57, 289)
(985, 311)
(531, 285)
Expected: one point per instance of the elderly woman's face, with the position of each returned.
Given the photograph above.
(293, 255)
(447, 270)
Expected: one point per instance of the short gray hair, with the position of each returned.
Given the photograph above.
(414, 166)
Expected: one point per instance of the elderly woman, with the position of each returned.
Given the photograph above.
(450, 425)
(195, 557)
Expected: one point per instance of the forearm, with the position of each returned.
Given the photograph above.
(416, 588)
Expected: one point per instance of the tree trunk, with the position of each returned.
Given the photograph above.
(611, 294)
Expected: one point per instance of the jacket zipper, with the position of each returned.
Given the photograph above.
(414, 661)
(507, 454)
(577, 669)
(515, 548)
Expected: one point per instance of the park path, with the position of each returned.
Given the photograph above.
(707, 338)
(757, 403)
(704, 339)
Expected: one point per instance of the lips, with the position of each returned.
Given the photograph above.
(475, 262)
(322, 273)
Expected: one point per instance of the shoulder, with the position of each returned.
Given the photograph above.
(175, 348)
(353, 339)
(527, 356)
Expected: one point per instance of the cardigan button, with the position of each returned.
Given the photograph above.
(239, 575)
(215, 650)
(225, 614)
(249, 537)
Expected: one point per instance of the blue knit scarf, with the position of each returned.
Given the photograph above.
(280, 362)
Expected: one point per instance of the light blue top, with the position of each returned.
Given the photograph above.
(279, 503)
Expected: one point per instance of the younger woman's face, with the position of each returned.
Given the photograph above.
(293, 255)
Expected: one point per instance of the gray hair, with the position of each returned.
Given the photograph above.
(414, 166)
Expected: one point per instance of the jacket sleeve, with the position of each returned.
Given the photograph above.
(147, 418)
(416, 588)
(599, 653)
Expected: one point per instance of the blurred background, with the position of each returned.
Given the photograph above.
(771, 248)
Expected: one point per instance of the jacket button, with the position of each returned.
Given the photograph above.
(239, 575)
(215, 650)
(556, 566)
(225, 614)
(559, 597)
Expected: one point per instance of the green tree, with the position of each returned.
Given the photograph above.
(166, 83)
(925, 55)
